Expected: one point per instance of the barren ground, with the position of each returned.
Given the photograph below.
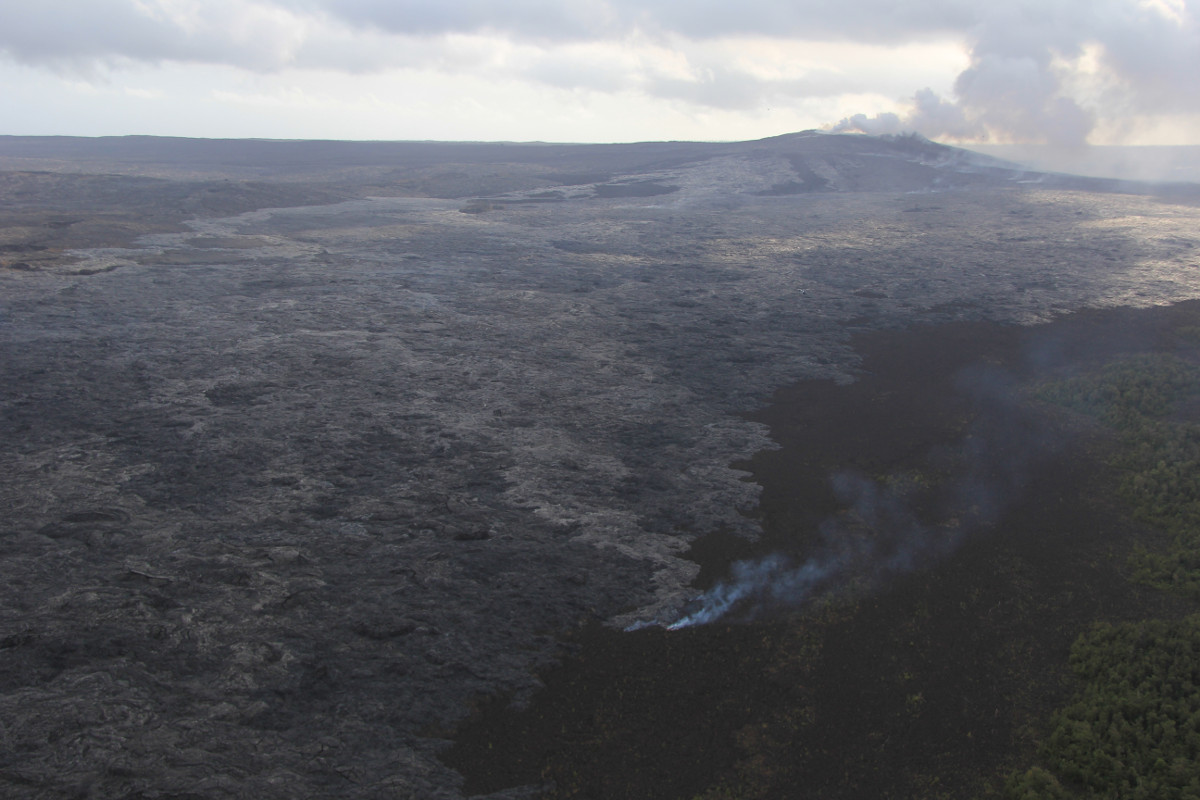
(303, 451)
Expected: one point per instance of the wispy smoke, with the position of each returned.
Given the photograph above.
(880, 534)
(771, 579)
(1011, 99)
(931, 116)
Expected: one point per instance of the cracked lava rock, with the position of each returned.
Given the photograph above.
(300, 457)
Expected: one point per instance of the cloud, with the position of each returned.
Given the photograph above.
(520, 19)
(84, 35)
(1050, 72)
(1037, 71)
(873, 20)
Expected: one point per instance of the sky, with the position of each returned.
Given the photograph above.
(1056, 72)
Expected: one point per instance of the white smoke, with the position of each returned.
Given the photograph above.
(931, 116)
(880, 535)
(769, 578)
(1052, 73)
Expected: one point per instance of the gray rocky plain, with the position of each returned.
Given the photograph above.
(304, 447)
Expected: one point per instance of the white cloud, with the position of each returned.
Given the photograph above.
(1023, 70)
(143, 94)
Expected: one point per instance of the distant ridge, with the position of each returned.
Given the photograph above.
(832, 162)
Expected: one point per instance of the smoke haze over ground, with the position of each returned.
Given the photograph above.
(898, 524)
(1124, 163)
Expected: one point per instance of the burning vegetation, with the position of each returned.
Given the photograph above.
(1050, 654)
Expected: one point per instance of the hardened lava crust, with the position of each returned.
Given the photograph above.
(306, 447)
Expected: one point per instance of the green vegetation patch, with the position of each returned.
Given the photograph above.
(1139, 398)
(1128, 393)
(1133, 729)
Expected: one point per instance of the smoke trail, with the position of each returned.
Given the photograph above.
(762, 580)
(880, 535)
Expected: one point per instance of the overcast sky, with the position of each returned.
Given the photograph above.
(1056, 71)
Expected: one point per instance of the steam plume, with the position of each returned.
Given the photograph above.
(1049, 73)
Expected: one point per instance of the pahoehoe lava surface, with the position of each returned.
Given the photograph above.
(305, 446)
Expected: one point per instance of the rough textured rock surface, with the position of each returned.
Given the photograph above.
(286, 490)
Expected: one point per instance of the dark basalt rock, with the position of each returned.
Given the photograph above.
(278, 511)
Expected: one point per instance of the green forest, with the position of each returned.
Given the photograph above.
(1133, 728)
